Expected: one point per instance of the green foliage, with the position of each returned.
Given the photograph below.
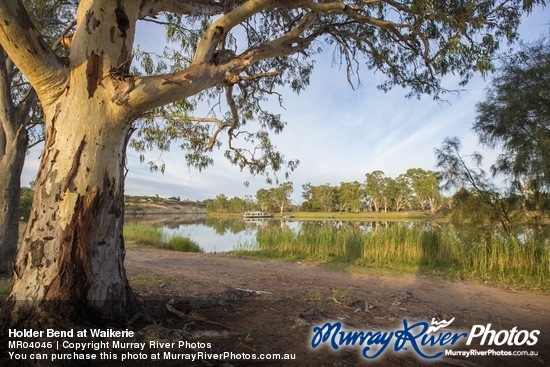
(375, 186)
(413, 43)
(459, 173)
(425, 185)
(51, 18)
(273, 199)
(470, 208)
(223, 204)
(515, 117)
(399, 192)
(154, 237)
(25, 202)
(350, 196)
(320, 198)
(521, 259)
(265, 200)
(281, 195)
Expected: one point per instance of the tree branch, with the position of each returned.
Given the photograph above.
(221, 125)
(286, 45)
(140, 95)
(30, 99)
(259, 76)
(150, 8)
(5, 87)
(393, 27)
(146, 93)
(215, 33)
(30, 52)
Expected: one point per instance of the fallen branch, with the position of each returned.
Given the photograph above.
(431, 312)
(189, 317)
(252, 291)
(142, 315)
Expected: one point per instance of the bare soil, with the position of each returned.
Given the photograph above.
(269, 306)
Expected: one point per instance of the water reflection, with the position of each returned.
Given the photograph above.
(227, 234)
(520, 258)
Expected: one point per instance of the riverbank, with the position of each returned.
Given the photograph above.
(164, 207)
(259, 307)
(275, 304)
(344, 216)
(364, 216)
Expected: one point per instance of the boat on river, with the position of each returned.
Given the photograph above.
(251, 215)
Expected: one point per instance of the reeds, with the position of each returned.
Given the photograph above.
(154, 237)
(521, 260)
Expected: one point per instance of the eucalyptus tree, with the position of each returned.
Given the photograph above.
(218, 205)
(425, 185)
(235, 53)
(375, 184)
(387, 193)
(264, 199)
(222, 204)
(515, 116)
(321, 197)
(350, 196)
(21, 122)
(236, 205)
(399, 192)
(458, 173)
(281, 195)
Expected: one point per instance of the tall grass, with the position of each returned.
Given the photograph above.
(154, 237)
(521, 261)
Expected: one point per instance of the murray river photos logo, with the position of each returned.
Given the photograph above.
(428, 341)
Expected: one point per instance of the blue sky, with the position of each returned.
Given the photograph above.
(338, 134)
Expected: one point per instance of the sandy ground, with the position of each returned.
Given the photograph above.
(290, 298)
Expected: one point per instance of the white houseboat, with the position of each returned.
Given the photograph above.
(257, 215)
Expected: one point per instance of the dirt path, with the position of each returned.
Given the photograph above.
(299, 296)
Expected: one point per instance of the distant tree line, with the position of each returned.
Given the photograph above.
(276, 199)
(224, 204)
(417, 189)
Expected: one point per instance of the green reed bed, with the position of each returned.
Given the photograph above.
(512, 260)
(144, 235)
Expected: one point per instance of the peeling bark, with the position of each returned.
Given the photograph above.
(94, 72)
(72, 253)
(71, 259)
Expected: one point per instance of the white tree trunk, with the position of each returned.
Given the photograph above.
(72, 254)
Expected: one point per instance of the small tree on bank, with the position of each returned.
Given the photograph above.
(515, 117)
(70, 261)
(458, 173)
